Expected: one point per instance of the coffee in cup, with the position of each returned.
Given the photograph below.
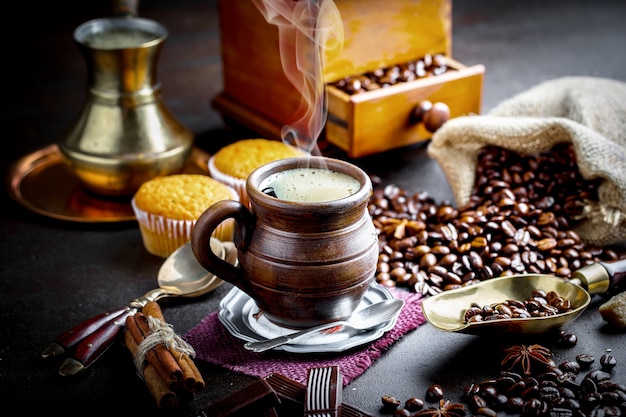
(309, 185)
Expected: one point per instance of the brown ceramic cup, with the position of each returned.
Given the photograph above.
(303, 263)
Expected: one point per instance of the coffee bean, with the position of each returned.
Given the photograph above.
(568, 340)
(611, 398)
(470, 390)
(486, 411)
(514, 405)
(561, 412)
(571, 403)
(549, 394)
(390, 403)
(591, 401)
(414, 404)
(570, 366)
(612, 411)
(434, 393)
(476, 402)
(402, 412)
(607, 361)
(598, 375)
(534, 408)
(585, 360)
(588, 386)
(566, 393)
(499, 401)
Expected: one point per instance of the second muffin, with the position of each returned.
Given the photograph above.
(233, 163)
(168, 207)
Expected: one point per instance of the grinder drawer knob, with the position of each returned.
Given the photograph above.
(432, 115)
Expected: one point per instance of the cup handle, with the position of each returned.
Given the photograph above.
(201, 236)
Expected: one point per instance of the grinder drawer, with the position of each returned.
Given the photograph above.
(382, 119)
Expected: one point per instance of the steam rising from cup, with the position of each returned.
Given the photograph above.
(308, 30)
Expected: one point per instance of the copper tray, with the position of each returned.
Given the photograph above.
(44, 184)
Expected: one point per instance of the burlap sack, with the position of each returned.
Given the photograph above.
(588, 112)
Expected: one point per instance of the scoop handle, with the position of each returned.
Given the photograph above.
(603, 277)
(617, 274)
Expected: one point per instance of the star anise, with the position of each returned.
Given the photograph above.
(526, 357)
(446, 409)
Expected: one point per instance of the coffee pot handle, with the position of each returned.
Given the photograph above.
(201, 235)
(125, 8)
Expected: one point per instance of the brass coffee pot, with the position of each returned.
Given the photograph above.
(124, 135)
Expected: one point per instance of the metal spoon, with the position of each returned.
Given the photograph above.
(446, 310)
(367, 318)
(180, 275)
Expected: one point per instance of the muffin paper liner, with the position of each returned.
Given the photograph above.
(237, 184)
(162, 236)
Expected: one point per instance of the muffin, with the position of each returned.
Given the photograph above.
(233, 163)
(167, 208)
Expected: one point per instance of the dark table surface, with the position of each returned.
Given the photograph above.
(54, 274)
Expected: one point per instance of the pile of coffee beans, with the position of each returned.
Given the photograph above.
(519, 219)
(562, 391)
(427, 66)
(540, 304)
(579, 387)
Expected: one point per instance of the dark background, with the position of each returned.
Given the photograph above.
(54, 274)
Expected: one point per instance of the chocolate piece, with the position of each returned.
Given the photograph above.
(287, 389)
(291, 394)
(323, 392)
(256, 399)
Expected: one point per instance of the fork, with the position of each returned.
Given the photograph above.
(323, 392)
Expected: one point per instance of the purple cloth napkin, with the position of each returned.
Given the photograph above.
(213, 343)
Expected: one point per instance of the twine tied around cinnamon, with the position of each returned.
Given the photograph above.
(161, 333)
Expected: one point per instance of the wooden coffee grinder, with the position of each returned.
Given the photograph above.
(377, 36)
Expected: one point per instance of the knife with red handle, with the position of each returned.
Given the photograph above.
(94, 344)
(77, 333)
(88, 340)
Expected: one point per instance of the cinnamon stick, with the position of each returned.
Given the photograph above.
(199, 381)
(192, 379)
(159, 390)
(152, 309)
(166, 366)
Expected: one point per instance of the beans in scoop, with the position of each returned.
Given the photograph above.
(519, 219)
(539, 304)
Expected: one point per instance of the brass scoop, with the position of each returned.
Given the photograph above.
(446, 311)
